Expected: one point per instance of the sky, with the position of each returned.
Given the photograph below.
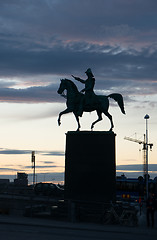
(43, 41)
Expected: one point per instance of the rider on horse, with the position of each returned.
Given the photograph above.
(89, 98)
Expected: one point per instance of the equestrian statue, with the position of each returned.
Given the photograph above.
(86, 100)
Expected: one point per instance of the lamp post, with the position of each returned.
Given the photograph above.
(33, 166)
(146, 117)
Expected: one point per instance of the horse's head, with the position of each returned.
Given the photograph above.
(62, 86)
(68, 85)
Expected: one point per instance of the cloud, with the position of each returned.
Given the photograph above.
(43, 166)
(55, 18)
(48, 162)
(136, 167)
(56, 40)
(8, 169)
(53, 153)
(16, 151)
(31, 94)
(127, 70)
(67, 58)
(48, 41)
(5, 84)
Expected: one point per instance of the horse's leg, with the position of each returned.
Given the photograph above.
(68, 110)
(110, 117)
(78, 122)
(98, 120)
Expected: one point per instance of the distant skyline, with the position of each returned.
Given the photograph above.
(42, 42)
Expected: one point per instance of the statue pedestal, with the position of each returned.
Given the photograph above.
(90, 172)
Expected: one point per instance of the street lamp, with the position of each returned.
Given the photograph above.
(146, 118)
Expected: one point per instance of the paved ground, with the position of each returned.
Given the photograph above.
(36, 232)
(14, 227)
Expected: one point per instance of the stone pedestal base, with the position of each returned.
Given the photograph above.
(90, 172)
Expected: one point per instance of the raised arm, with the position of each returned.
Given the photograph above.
(79, 79)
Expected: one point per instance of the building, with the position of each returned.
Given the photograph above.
(21, 180)
(4, 183)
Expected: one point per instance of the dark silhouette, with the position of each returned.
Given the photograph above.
(90, 97)
(150, 204)
(74, 98)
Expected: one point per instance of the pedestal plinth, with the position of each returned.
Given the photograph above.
(90, 172)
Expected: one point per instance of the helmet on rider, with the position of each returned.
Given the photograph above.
(89, 71)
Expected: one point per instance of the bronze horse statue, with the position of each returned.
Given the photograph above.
(73, 97)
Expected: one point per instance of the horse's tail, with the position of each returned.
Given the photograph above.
(119, 99)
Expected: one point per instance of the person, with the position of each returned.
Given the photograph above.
(150, 205)
(90, 98)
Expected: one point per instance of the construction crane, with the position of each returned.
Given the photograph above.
(146, 145)
(144, 150)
